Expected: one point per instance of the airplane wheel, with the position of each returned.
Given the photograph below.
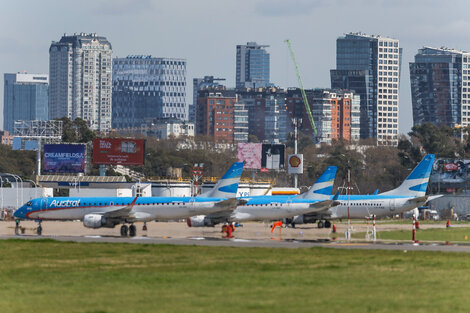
(320, 224)
(124, 230)
(17, 230)
(39, 230)
(132, 230)
(327, 224)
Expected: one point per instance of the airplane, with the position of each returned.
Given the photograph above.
(409, 195)
(97, 212)
(269, 208)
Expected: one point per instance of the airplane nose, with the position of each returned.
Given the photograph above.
(19, 213)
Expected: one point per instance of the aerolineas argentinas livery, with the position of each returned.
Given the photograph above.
(269, 208)
(110, 211)
(409, 195)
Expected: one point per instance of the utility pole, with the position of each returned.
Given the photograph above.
(296, 122)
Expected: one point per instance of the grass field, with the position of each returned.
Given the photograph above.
(457, 234)
(49, 276)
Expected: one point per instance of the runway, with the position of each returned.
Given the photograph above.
(263, 243)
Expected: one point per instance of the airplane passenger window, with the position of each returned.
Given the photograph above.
(29, 203)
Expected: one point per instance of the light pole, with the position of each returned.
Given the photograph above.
(35, 187)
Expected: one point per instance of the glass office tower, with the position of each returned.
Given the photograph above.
(370, 66)
(146, 87)
(25, 97)
(440, 91)
(252, 66)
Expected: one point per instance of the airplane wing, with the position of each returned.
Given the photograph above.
(122, 212)
(227, 207)
(323, 205)
(230, 204)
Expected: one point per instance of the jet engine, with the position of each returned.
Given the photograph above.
(96, 221)
(200, 221)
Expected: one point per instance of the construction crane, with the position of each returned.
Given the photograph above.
(302, 90)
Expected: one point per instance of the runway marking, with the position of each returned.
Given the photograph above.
(348, 244)
(92, 236)
(240, 240)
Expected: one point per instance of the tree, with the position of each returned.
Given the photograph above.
(76, 131)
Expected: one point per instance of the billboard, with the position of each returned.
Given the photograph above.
(295, 164)
(250, 153)
(118, 151)
(272, 156)
(64, 158)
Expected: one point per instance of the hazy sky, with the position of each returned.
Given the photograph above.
(205, 33)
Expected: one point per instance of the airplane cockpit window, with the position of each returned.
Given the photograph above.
(29, 203)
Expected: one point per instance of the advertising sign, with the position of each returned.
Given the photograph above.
(272, 156)
(295, 164)
(118, 151)
(64, 158)
(250, 153)
(451, 166)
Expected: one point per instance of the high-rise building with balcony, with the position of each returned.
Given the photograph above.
(370, 67)
(80, 74)
(25, 97)
(336, 113)
(252, 66)
(148, 87)
(440, 87)
(215, 115)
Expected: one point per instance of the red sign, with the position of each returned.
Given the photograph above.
(451, 167)
(118, 151)
(264, 170)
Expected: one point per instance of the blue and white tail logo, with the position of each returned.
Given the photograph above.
(323, 187)
(227, 186)
(416, 183)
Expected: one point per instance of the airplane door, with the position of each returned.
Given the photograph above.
(43, 203)
(392, 205)
(289, 205)
(192, 204)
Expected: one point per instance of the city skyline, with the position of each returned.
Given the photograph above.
(186, 29)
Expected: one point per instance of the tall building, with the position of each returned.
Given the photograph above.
(198, 84)
(80, 70)
(336, 113)
(252, 66)
(25, 97)
(216, 115)
(267, 115)
(148, 87)
(370, 66)
(440, 87)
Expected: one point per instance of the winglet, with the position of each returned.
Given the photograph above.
(335, 198)
(133, 202)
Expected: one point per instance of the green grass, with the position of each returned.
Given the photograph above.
(452, 234)
(48, 276)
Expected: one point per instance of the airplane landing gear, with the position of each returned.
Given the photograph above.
(324, 224)
(39, 229)
(132, 230)
(124, 230)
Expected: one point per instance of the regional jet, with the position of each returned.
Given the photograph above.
(100, 212)
(269, 208)
(409, 195)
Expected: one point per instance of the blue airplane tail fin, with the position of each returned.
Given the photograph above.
(323, 187)
(417, 182)
(227, 186)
